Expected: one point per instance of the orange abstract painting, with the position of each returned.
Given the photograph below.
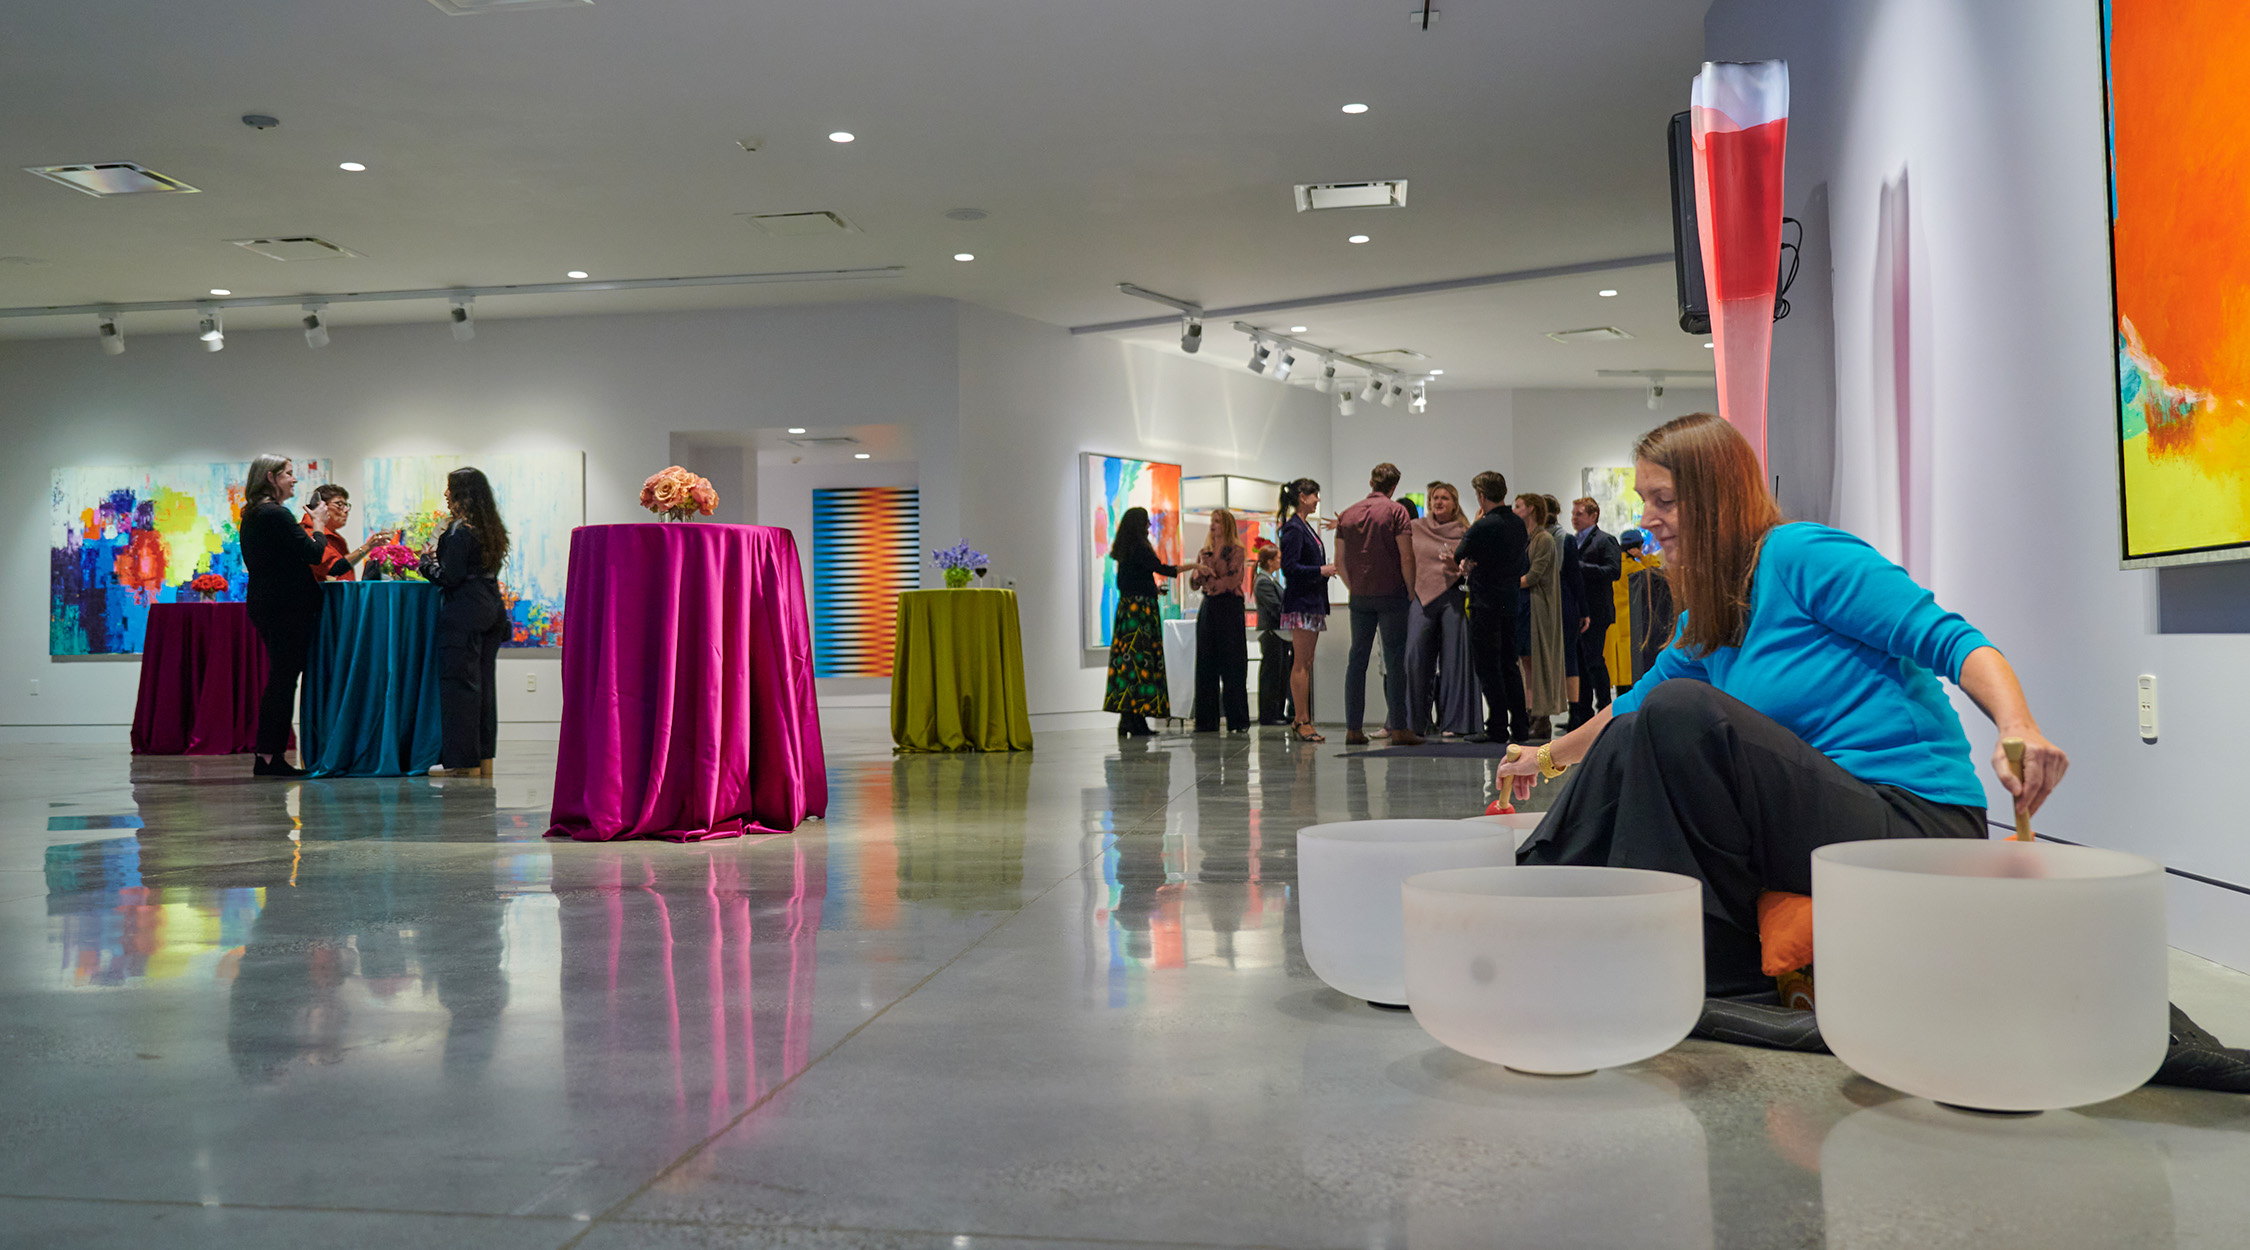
(2179, 158)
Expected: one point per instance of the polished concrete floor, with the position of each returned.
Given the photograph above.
(1046, 999)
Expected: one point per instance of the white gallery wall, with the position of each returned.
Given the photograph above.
(1562, 433)
(1956, 150)
(613, 386)
(1033, 397)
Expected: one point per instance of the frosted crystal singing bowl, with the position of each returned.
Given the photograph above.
(1348, 876)
(2006, 976)
(1520, 824)
(1555, 969)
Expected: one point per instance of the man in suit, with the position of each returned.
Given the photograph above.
(1599, 563)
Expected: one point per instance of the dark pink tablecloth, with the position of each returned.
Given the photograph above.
(202, 668)
(687, 673)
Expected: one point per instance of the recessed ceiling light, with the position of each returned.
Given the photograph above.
(1355, 108)
(575, 273)
(1707, 345)
(352, 167)
(964, 256)
(1357, 238)
(796, 429)
(1605, 294)
(220, 290)
(1436, 372)
(1299, 329)
(841, 136)
(859, 455)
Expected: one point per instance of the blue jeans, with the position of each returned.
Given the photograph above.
(1369, 614)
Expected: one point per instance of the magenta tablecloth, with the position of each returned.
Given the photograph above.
(202, 668)
(687, 675)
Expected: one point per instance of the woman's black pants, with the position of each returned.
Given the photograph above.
(287, 634)
(471, 626)
(1275, 658)
(1222, 660)
(1699, 783)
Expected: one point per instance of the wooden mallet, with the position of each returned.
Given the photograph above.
(2013, 749)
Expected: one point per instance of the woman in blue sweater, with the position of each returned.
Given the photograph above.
(1797, 706)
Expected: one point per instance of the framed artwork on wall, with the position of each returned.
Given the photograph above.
(542, 497)
(2180, 276)
(1111, 485)
(122, 539)
(1612, 488)
(866, 550)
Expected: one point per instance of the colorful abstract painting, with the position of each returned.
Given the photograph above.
(1612, 488)
(542, 497)
(2180, 248)
(866, 549)
(1113, 484)
(123, 539)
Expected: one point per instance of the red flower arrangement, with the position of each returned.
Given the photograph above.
(209, 585)
(393, 559)
(675, 492)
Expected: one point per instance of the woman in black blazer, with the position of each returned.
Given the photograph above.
(472, 623)
(284, 600)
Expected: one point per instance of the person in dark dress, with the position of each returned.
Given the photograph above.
(1273, 649)
(1222, 659)
(1137, 688)
(1599, 564)
(1304, 596)
(472, 623)
(1798, 705)
(284, 600)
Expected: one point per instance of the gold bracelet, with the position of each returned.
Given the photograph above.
(1548, 768)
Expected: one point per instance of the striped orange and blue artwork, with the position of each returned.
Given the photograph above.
(1114, 484)
(866, 549)
(2179, 89)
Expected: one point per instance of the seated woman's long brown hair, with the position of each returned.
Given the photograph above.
(1726, 511)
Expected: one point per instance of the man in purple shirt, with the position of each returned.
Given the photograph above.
(1375, 557)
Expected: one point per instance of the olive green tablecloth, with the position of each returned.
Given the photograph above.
(957, 673)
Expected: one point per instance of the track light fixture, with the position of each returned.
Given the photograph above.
(316, 325)
(1286, 362)
(1373, 390)
(1326, 382)
(464, 321)
(1393, 391)
(113, 337)
(1421, 401)
(1260, 353)
(1191, 335)
(212, 330)
(1346, 402)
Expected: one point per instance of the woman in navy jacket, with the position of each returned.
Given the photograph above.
(1305, 570)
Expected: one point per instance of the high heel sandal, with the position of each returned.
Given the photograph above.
(1306, 733)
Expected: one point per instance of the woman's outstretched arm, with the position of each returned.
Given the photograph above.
(1987, 677)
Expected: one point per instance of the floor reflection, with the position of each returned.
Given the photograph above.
(702, 964)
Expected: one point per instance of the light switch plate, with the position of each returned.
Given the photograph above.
(2148, 707)
(531, 682)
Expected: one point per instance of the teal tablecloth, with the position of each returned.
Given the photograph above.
(370, 706)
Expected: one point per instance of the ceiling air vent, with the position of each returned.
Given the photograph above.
(472, 8)
(111, 178)
(299, 247)
(824, 441)
(800, 225)
(1320, 197)
(1595, 334)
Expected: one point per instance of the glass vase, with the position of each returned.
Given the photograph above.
(955, 579)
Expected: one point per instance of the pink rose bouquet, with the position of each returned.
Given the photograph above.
(392, 560)
(675, 493)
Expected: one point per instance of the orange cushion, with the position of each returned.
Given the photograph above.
(1784, 931)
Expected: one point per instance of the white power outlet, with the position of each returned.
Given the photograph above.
(2148, 707)
(531, 681)
(35, 686)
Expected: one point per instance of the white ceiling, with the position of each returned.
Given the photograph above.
(1150, 141)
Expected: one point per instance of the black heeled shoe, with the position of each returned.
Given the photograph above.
(277, 767)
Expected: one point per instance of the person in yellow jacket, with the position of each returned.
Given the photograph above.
(1638, 609)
